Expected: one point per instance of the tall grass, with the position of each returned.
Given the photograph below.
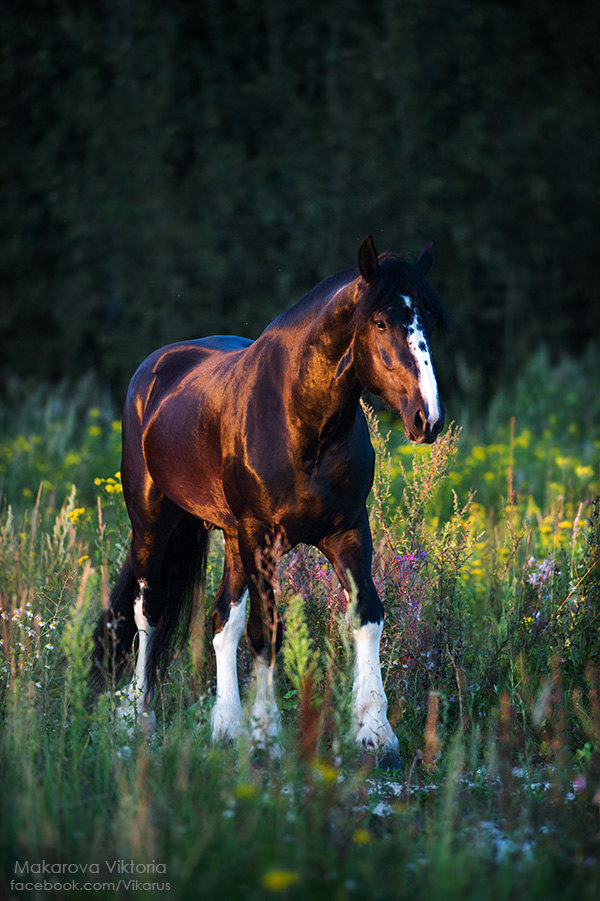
(487, 560)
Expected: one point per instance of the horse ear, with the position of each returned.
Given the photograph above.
(367, 259)
(425, 258)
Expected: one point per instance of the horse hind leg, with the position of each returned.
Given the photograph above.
(135, 699)
(153, 525)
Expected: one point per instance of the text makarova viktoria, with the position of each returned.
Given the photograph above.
(111, 867)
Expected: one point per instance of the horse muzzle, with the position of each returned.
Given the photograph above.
(417, 427)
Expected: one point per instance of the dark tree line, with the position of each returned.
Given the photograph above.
(173, 169)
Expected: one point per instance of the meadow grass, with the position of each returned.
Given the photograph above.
(487, 549)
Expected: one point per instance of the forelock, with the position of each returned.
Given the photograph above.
(397, 276)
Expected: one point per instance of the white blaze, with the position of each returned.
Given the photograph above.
(419, 347)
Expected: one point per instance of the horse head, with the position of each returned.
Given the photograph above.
(395, 315)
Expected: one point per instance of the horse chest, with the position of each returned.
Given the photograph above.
(309, 498)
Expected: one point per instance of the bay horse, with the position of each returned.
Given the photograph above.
(266, 440)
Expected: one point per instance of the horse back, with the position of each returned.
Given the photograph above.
(163, 370)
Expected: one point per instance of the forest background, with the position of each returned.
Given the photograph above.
(171, 170)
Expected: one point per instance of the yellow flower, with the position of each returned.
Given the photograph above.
(361, 837)
(327, 773)
(74, 515)
(94, 431)
(279, 880)
(245, 790)
(524, 439)
(479, 453)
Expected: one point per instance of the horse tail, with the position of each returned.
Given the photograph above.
(183, 578)
(115, 631)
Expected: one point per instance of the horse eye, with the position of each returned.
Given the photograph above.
(381, 325)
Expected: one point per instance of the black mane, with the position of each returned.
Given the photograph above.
(396, 275)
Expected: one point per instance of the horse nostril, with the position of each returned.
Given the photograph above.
(420, 421)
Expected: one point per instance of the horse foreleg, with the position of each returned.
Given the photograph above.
(350, 554)
(265, 720)
(373, 731)
(229, 622)
(227, 716)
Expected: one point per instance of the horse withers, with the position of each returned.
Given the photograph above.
(266, 440)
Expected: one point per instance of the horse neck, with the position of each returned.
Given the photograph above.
(324, 382)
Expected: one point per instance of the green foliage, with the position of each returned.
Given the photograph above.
(298, 653)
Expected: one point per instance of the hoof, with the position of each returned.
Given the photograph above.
(262, 757)
(390, 761)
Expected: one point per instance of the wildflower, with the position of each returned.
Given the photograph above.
(542, 574)
(94, 431)
(407, 563)
(111, 485)
(579, 783)
(245, 790)
(361, 837)
(327, 773)
(75, 515)
(524, 439)
(22, 444)
(279, 880)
